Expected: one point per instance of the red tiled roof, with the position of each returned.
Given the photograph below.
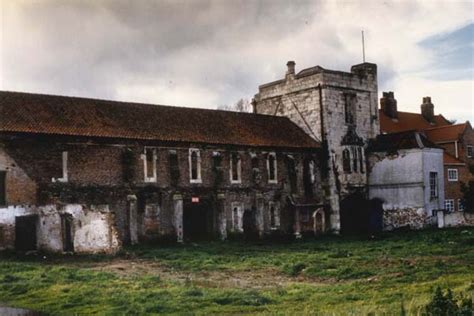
(446, 133)
(450, 160)
(408, 121)
(61, 115)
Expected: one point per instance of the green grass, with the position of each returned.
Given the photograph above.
(330, 275)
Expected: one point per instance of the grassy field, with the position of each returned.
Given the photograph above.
(330, 275)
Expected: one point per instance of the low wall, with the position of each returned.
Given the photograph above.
(93, 227)
(414, 218)
(455, 219)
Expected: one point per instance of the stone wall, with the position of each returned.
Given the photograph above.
(413, 218)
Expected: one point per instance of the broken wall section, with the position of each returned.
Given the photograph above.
(91, 230)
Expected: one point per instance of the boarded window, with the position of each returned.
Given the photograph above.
(3, 188)
(346, 160)
(174, 168)
(433, 185)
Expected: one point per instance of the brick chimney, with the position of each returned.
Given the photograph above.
(427, 109)
(388, 103)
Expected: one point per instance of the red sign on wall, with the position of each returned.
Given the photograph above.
(195, 199)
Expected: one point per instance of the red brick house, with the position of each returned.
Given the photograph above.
(456, 139)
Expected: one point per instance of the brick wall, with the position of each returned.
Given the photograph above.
(108, 173)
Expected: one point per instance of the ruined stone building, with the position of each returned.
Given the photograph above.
(457, 140)
(340, 110)
(90, 175)
(317, 155)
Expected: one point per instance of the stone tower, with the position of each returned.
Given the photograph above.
(340, 110)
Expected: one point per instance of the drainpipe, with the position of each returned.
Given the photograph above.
(456, 148)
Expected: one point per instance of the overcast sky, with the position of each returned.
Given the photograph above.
(208, 53)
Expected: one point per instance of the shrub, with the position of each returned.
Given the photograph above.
(446, 305)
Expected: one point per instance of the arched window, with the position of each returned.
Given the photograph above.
(346, 160)
(355, 160)
(195, 165)
(235, 168)
(361, 159)
(272, 168)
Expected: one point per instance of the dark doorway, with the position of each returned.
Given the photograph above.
(198, 220)
(376, 216)
(355, 212)
(3, 193)
(249, 223)
(25, 232)
(67, 225)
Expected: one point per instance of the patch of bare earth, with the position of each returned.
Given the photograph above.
(258, 279)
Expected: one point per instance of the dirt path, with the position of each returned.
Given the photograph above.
(256, 279)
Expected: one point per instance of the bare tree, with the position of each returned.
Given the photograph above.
(243, 105)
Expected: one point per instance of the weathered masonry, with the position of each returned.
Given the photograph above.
(89, 175)
(340, 110)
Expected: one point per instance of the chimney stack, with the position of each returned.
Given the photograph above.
(427, 109)
(388, 103)
(291, 68)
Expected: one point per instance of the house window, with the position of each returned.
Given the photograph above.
(361, 159)
(272, 168)
(449, 205)
(470, 151)
(235, 168)
(195, 165)
(460, 205)
(433, 185)
(174, 167)
(237, 217)
(346, 160)
(350, 108)
(64, 178)
(3, 188)
(274, 215)
(149, 164)
(355, 160)
(452, 175)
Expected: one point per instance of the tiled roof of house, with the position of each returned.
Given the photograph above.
(401, 140)
(450, 160)
(409, 121)
(446, 133)
(62, 115)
